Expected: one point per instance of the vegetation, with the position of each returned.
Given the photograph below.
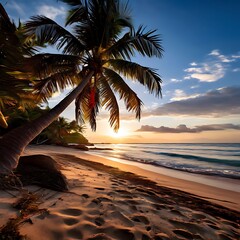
(95, 59)
(59, 132)
(27, 206)
(15, 77)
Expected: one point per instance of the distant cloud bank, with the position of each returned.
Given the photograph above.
(184, 129)
(215, 103)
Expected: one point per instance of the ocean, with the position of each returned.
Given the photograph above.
(206, 159)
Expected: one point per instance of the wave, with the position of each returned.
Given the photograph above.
(234, 163)
(228, 173)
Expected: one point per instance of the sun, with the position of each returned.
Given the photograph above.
(122, 132)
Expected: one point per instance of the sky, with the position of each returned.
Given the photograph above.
(200, 70)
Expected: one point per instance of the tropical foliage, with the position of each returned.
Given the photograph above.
(102, 41)
(59, 132)
(96, 59)
(15, 77)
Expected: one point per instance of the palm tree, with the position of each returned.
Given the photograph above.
(96, 58)
(15, 82)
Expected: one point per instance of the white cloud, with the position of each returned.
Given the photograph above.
(214, 52)
(236, 70)
(235, 56)
(175, 80)
(195, 86)
(211, 70)
(208, 72)
(180, 95)
(51, 11)
(222, 57)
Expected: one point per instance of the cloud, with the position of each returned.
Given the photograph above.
(181, 95)
(214, 52)
(236, 70)
(221, 57)
(207, 72)
(235, 56)
(184, 129)
(175, 80)
(211, 70)
(215, 103)
(51, 11)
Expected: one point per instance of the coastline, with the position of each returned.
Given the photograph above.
(109, 200)
(224, 197)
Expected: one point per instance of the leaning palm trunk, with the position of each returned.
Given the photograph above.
(13, 143)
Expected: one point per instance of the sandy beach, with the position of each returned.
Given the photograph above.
(111, 200)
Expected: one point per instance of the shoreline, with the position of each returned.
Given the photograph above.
(107, 200)
(224, 197)
(226, 183)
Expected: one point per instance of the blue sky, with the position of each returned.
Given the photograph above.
(200, 71)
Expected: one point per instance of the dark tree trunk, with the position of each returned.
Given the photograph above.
(13, 143)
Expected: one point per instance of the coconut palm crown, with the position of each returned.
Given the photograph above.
(102, 42)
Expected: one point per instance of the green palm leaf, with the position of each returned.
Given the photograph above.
(47, 30)
(144, 75)
(132, 102)
(109, 101)
(147, 44)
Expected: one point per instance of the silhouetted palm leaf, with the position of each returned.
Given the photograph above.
(47, 30)
(144, 75)
(131, 100)
(109, 101)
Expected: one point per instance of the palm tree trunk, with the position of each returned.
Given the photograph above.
(13, 143)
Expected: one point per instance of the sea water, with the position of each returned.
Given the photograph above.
(216, 159)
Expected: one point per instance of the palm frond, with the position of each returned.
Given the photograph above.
(121, 48)
(109, 101)
(84, 110)
(76, 14)
(131, 100)
(147, 43)
(47, 64)
(144, 75)
(48, 31)
(46, 87)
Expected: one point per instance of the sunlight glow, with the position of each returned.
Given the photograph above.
(122, 132)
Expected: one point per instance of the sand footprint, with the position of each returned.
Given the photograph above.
(70, 221)
(183, 233)
(99, 221)
(75, 233)
(71, 211)
(125, 221)
(123, 234)
(140, 219)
